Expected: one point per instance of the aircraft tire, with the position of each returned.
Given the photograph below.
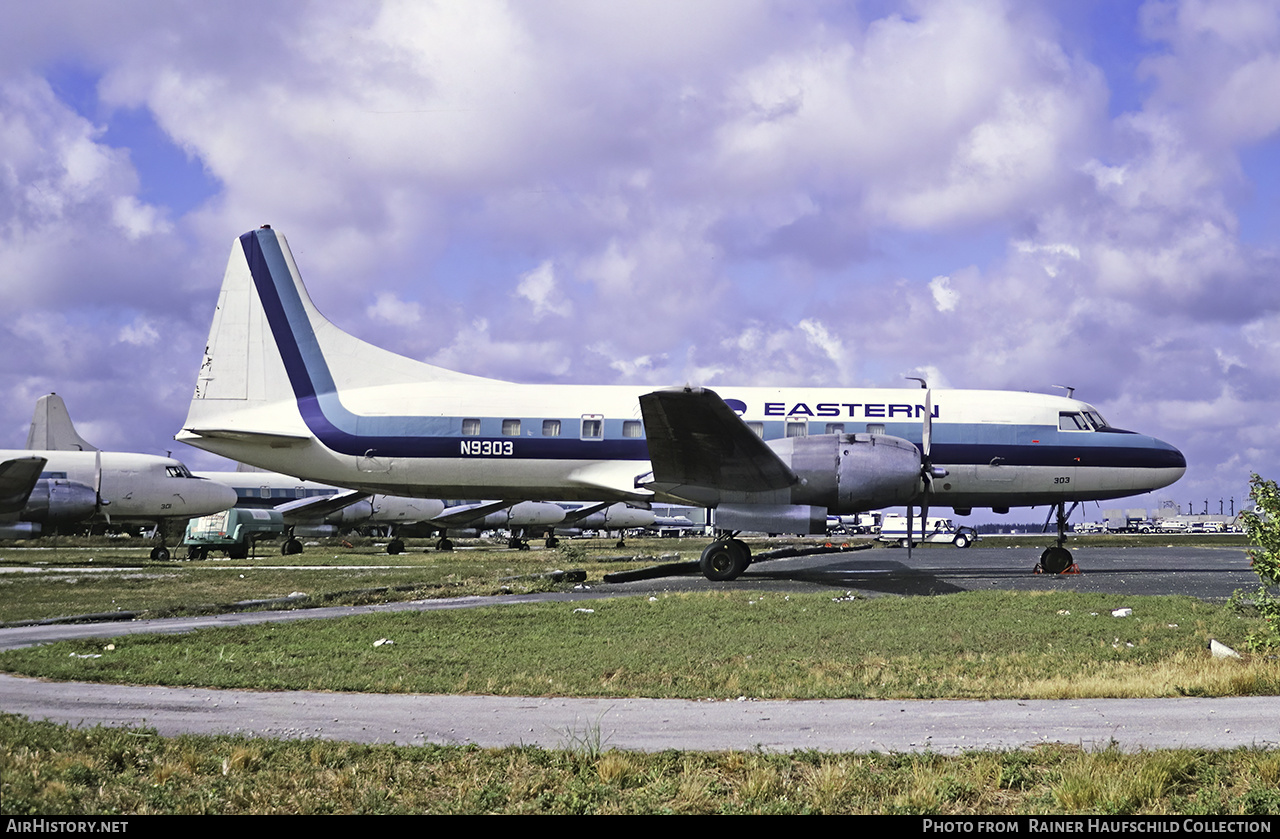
(723, 561)
(395, 546)
(160, 554)
(1055, 560)
(291, 547)
(444, 545)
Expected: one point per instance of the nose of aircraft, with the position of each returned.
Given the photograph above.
(1170, 463)
(213, 497)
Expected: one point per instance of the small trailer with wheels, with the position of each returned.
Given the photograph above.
(893, 529)
(234, 531)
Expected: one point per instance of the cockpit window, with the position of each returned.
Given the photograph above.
(179, 472)
(1070, 421)
(1096, 419)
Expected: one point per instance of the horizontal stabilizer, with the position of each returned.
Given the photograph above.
(696, 440)
(17, 478)
(266, 438)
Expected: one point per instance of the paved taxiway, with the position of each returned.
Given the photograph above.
(649, 724)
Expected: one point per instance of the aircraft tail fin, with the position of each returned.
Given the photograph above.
(52, 429)
(275, 369)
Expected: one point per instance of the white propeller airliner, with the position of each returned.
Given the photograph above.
(283, 388)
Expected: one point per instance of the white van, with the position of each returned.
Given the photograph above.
(893, 528)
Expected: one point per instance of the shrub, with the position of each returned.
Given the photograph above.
(1263, 526)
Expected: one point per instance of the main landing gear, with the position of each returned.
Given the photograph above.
(725, 559)
(292, 545)
(1056, 559)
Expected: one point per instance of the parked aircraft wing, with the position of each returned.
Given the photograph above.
(572, 517)
(17, 478)
(696, 440)
(319, 506)
(468, 513)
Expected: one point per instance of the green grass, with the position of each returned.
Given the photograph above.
(113, 575)
(47, 769)
(975, 645)
(108, 578)
(723, 645)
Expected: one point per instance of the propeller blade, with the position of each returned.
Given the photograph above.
(98, 502)
(910, 530)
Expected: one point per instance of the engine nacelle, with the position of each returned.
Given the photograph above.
(851, 473)
(618, 516)
(58, 501)
(353, 514)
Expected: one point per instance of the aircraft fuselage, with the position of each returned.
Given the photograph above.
(999, 448)
(134, 487)
(283, 388)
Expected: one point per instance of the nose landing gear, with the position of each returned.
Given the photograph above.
(1056, 559)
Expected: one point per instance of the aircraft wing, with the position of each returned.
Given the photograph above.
(456, 517)
(17, 478)
(697, 442)
(573, 516)
(319, 506)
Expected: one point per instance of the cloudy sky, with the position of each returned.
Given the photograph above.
(995, 195)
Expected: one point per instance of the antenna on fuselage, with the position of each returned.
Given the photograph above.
(922, 382)
(1069, 389)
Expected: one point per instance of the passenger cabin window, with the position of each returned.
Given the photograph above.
(875, 428)
(835, 428)
(471, 428)
(757, 427)
(511, 428)
(797, 429)
(551, 428)
(1068, 421)
(592, 426)
(632, 428)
